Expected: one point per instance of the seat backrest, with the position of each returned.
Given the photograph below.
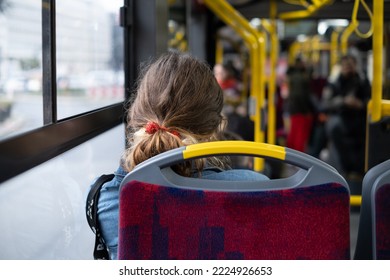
(374, 225)
(166, 216)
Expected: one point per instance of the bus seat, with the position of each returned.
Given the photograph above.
(166, 216)
(373, 240)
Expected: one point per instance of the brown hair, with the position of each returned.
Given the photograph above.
(178, 93)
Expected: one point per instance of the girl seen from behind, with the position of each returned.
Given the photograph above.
(178, 102)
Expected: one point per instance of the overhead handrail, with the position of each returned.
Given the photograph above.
(310, 10)
(256, 44)
(353, 27)
(354, 20)
(297, 2)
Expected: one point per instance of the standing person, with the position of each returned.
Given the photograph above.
(299, 106)
(345, 102)
(178, 103)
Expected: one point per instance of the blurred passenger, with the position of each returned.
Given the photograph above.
(299, 106)
(225, 75)
(178, 103)
(240, 123)
(345, 100)
(318, 139)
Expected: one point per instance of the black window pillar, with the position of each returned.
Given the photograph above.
(201, 31)
(49, 83)
(150, 30)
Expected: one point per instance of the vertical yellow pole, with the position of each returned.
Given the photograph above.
(377, 47)
(334, 48)
(274, 48)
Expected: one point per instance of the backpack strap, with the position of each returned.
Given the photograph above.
(100, 251)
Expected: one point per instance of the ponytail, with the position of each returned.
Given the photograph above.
(155, 139)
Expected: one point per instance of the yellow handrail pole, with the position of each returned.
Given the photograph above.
(271, 29)
(310, 10)
(219, 52)
(334, 48)
(234, 19)
(260, 109)
(345, 36)
(272, 88)
(377, 50)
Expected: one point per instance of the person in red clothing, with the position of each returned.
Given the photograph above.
(299, 105)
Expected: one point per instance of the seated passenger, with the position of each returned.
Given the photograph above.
(178, 103)
(224, 73)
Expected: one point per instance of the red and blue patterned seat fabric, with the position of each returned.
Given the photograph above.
(157, 222)
(382, 216)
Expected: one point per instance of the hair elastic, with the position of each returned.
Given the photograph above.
(152, 127)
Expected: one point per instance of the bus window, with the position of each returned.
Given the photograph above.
(89, 55)
(20, 67)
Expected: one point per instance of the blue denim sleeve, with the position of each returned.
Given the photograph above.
(235, 175)
(108, 211)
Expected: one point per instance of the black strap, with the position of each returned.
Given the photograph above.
(100, 251)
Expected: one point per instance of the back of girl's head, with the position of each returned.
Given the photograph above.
(179, 95)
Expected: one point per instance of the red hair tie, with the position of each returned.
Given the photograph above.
(152, 128)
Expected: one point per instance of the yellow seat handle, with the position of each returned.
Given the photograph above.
(234, 147)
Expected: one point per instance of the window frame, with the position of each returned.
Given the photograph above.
(145, 34)
(27, 150)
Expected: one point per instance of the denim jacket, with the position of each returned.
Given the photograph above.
(108, 204)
